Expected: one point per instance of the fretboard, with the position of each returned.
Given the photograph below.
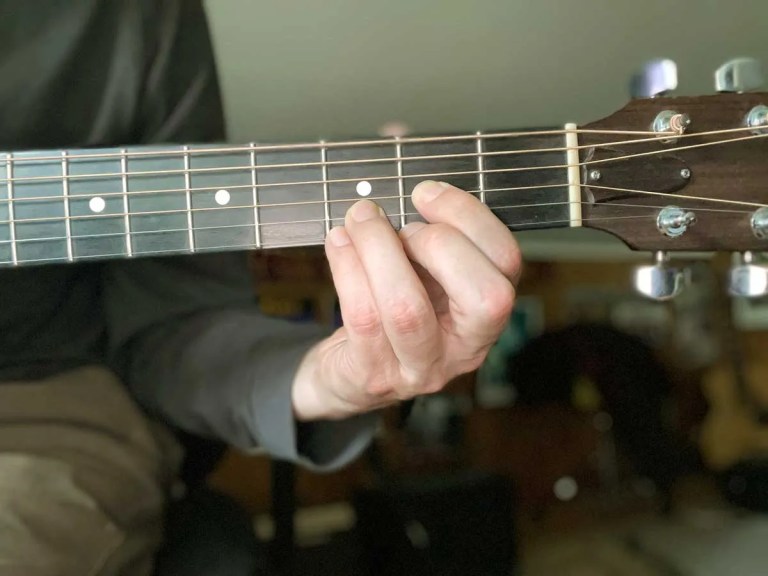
(77, 205)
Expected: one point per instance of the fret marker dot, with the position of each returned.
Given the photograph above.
(364, 188)
(97, 204)
(222, 197)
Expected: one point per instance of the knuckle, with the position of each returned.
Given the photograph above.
(497, 302)
(408, 316)
(364, 321)
(426, 380)
(510, 262)
(379, 385)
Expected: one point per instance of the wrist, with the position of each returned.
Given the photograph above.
(313, 394)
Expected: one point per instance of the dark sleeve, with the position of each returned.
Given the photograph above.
(185, 332)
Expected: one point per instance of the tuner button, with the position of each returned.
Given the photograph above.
(759, 223)
(747, 279)
(739, 75)
(660, 281)
(655, 78)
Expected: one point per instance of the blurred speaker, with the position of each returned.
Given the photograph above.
(455, 524)
(746, 485)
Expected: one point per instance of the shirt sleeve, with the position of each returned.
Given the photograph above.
(185, 332)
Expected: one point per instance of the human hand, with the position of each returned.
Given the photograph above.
(420, 307)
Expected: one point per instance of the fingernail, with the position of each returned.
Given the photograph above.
(429, 190)
(410, 229)
(338, 236)
(365, 210)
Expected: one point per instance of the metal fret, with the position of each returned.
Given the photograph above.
(188, 193)
(254, 184)
(400, 187)
(480, 167)
(65, 190)
(126, 207)
(12, 223)
(326, 198)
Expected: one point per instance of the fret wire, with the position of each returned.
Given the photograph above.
(254, 185)
(373, 160)
(480, 168)
(400, 187)
(126, 207)
(11, 218)
(188, 186)
(326, 198)
(67, 218)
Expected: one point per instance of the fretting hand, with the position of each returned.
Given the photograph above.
(420, 307)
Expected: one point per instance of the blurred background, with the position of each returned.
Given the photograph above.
(606, 434)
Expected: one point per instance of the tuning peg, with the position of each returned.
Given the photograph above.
(739, 75)
(748, 279)
(655, 78)
(659, 281)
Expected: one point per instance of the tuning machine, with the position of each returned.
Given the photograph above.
(655, 78)
(748, 278)
(660, 281)
(739, 75)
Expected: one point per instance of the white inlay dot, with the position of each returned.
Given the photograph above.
(566, 488)
(364, 188)
(97, 204)
(222, 197)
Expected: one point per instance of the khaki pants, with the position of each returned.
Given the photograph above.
(84, 478)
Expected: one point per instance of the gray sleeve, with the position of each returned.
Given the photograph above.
(196, 352)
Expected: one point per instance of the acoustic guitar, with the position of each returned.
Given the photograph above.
(662, 174)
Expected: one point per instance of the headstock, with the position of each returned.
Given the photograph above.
(697, 180)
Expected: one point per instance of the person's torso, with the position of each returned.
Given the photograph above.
(70, 76)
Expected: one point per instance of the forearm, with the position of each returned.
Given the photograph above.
(229, 374)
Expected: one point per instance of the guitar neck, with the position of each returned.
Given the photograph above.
(86, 204)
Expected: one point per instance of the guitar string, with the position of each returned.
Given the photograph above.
(17, 200)
(223, 149)
(276, 245)
(395, 215)
(250, 207)
(307, 165)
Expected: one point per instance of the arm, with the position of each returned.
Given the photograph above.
(197, 353)
(185, 332)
